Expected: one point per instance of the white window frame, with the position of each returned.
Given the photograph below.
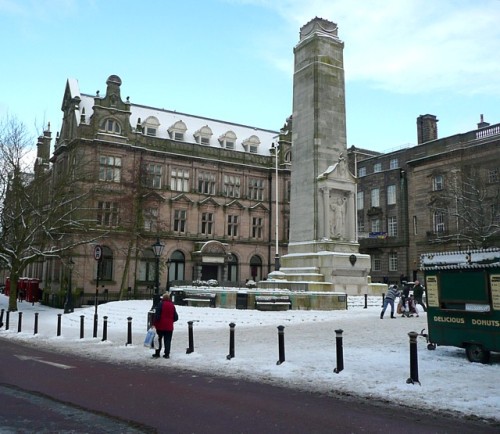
(392, 226)
(179, 179)
(438, 183)
(391, 194)
(375, 197)
(110, 168)
(377, 167)
(393, 261)
(393, 163)
(360, 199)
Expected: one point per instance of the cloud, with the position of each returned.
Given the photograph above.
(408, 46)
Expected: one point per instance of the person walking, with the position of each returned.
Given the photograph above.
(389, 299)
(418, 293)
(165, 316)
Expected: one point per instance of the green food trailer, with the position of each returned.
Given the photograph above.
(463, 299)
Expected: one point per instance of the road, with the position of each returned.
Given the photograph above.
(42, 392)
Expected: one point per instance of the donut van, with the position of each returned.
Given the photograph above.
(463, 300)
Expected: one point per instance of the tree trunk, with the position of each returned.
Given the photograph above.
(13, 281)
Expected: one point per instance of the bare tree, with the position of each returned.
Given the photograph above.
(39, 212)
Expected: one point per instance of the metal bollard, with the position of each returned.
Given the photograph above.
(7, 320)
(383, 299)
(1, 317)
(82, 320)
(366, 301)
(36, 324)
(190, 348)
(59, 324)
(281, 344)
(105, 328)
(413, 359)
(19, 322)
(129, 331)
(231, 341)
(95, 325)
(340, 351)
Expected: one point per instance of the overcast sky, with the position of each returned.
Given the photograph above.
(233, 60)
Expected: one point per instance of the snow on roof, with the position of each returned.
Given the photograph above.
(168, 118)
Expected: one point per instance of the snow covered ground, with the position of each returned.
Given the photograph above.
(376, 352)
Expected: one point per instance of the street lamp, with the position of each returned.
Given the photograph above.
(276, 148)
(157, 250)
(167, 287)
(68, 305)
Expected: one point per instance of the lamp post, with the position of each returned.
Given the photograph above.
(68, 305)
(167, 286)
(276, 148)
(157, 250)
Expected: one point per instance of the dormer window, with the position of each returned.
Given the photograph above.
(251, 144)
(110, 126)
(177, 131)
(203, 135)
(150, 126)
(228, 140)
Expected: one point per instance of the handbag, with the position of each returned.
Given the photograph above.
(150, 336)
(176, 317)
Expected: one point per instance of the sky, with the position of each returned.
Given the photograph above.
(376, 354)
(232, 60)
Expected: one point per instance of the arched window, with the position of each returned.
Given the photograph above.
(110, 126)
(147, 267)
(232, 268)
(256, 268)
(177, 265)
(107, 264)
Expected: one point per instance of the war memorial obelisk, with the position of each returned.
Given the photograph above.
(323, 254)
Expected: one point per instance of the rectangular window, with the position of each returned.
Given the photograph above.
(151, 131)
(375, 225)
(257, 227)
(392, 226)
(154, 172)
(375, 193)
(229, 144)
(110, 168)
(150, 216)
(393, 261)
(180, 221)
(107, 214)
(391, 195)
(377, 167)
(495, 214)
(493, 175)
(207, 223)
(415, 225)
(205, 140)
(376, 263)
(179, 179)
(394, 163)
(438, 222)
(361, 225)
(437, 183)
(206, 183)
(231, 187)
(360, 200)
(232, 225)
(361, 171)
(178, 136)
(288, 191)
(256, 189)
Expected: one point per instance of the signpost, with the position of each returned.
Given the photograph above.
(98, 258)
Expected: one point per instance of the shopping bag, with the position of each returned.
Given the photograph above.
(150, 336)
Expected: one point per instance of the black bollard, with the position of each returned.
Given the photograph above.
(366, 301)
(82, 320)
(105, 328)
(95, 325)
(19, 322)
(340, 351)
(231, 341)
(59, 324)
(1, 317)
(129, 331)
(413, 359)
(190, 348)
(36, 324)
(383, 299)
(7, 320)
(281, 344)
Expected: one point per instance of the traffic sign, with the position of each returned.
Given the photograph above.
(97, 253)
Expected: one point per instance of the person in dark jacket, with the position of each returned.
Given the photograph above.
(165, 326)
(418, 293)
(389, 298)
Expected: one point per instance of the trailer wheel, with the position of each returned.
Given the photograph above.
(431, 347)
(476, 353)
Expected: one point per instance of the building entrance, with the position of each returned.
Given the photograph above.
(209, 272)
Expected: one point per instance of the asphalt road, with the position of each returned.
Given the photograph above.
(42, 392)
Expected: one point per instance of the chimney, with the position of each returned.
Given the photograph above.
(482, 123)
(427, 128)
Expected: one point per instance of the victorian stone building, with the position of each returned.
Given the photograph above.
(203, 188)
(440, 195)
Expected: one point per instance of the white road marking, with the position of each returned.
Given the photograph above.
(37, 359)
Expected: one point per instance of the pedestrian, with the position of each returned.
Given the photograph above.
(389, 298)
(418, 293)
(164, 319)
